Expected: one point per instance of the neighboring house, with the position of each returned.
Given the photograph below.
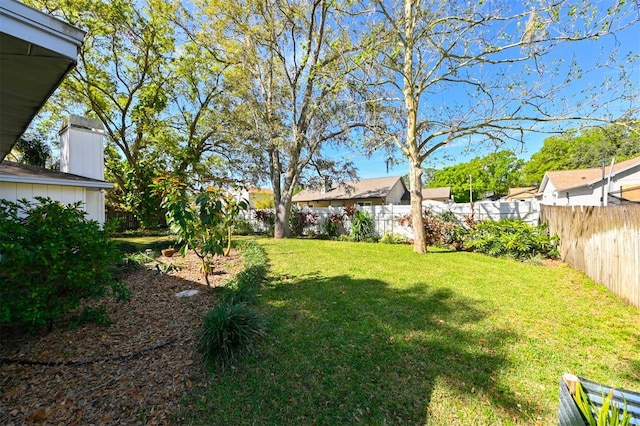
(37, 51)
(437, 194)
(586, 187)
(366, 192)
(526, 193)
(258, 198)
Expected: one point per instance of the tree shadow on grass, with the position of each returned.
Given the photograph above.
(345, 351)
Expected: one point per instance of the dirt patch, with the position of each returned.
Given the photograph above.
(134, 372)
(551, 263)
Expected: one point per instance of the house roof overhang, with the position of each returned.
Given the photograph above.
(23, 173)
(36, 52)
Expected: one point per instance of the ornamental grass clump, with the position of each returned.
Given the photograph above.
(230, 329)
(233, 326)
(243, 288)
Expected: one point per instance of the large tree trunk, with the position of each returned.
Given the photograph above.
(411, 101)
(281, 201)
(415, 188)
(281, 229)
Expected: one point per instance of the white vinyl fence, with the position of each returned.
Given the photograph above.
(385, 217)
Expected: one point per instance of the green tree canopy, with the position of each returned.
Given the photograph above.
(157, 93)
(573, 150)
(32, 150)
(290, 66)
(489, 175)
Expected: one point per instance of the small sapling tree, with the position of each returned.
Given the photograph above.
(202, 220)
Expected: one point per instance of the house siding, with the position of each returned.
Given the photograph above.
(92, 201)
(81, 150)
(396, 193)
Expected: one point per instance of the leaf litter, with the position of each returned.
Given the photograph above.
(135, 371)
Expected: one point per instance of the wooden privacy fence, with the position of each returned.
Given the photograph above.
(603, 242)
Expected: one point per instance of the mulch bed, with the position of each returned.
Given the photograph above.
(134, 372)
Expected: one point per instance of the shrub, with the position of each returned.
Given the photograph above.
(362, 226)
(392, 238)
(512, 238)
(300, 220)
(350, 211)
(334, 224)
(52, 257)
(267, 219)
(91, 315)
(230, 329)
(330, 228)
(448, 216)
(242, 227)
(436, 230)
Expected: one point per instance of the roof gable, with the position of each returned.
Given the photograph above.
(363, 189)
(526, 190)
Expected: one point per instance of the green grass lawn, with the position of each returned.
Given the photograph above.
(133, 244)
(375, 334)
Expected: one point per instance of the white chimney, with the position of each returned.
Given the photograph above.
(82, 147)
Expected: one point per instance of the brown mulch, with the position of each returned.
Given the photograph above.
(134, 372)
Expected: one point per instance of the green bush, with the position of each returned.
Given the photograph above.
(438, 229)
(230, 329)
(242, 227)
(392, 238)
(362, 226)
(51, 258)
(243, 288)
(512, 238)
(299, 221)
(91, 315)
(266, 219)
(333, 225)
(448, 216)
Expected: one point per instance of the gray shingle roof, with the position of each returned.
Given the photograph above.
(365, 188)
(16, 172)
(436, 193)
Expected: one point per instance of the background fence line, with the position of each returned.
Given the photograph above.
(603, 242)
(385, 217)
(128, 221)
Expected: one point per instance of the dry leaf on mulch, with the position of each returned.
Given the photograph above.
(134, 372)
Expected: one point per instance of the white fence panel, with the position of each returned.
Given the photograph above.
(385, 217)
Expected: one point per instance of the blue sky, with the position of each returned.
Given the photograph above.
(586, 53)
